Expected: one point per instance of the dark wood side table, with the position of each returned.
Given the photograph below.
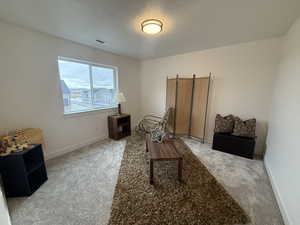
(119, 126)
(23, 172)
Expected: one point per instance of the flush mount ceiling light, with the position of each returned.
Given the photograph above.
(152, 26)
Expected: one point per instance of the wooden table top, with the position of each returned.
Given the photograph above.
(162, 151)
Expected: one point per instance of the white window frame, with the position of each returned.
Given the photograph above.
(90, 64)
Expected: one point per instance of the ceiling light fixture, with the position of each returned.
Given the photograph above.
(152, 26)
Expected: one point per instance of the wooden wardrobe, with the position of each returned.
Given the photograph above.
(188, 100)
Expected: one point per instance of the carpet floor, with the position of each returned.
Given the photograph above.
(79, 189)
(81, 186)
(198, 200)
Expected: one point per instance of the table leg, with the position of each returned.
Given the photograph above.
(180, 169)
(151, 171)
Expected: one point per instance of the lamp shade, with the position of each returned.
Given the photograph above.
(120, 97)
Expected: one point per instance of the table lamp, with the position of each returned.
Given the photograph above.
(120, 98)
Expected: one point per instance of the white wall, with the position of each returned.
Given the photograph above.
(4, 216)
(242, 81)
(29, 88)
(283, 153)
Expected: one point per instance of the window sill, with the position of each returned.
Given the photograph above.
(91, 111)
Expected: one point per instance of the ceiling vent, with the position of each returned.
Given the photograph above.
(100, 42)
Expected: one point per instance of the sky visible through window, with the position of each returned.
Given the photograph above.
(86, 86)
(76, 75)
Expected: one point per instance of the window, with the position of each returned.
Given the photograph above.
(86, 86)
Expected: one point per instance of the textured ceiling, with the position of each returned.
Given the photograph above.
(189, 25)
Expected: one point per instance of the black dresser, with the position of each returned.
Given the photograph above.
(23, 172)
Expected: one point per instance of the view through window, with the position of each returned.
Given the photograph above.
(86, 86)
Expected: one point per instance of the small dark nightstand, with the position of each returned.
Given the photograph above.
(119, 126)
(23, 172)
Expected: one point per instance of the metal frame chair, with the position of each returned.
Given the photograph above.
(150, 122)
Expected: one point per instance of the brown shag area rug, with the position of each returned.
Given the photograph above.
(198, 200)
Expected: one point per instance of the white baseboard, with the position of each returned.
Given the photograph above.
(278, 197)
(71, 148)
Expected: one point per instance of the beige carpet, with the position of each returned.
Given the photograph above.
(200, 199)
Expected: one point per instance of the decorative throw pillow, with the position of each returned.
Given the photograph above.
(244, 128)
(224, 124)
(158, 135)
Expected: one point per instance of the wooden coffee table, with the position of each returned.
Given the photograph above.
(163, 151)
